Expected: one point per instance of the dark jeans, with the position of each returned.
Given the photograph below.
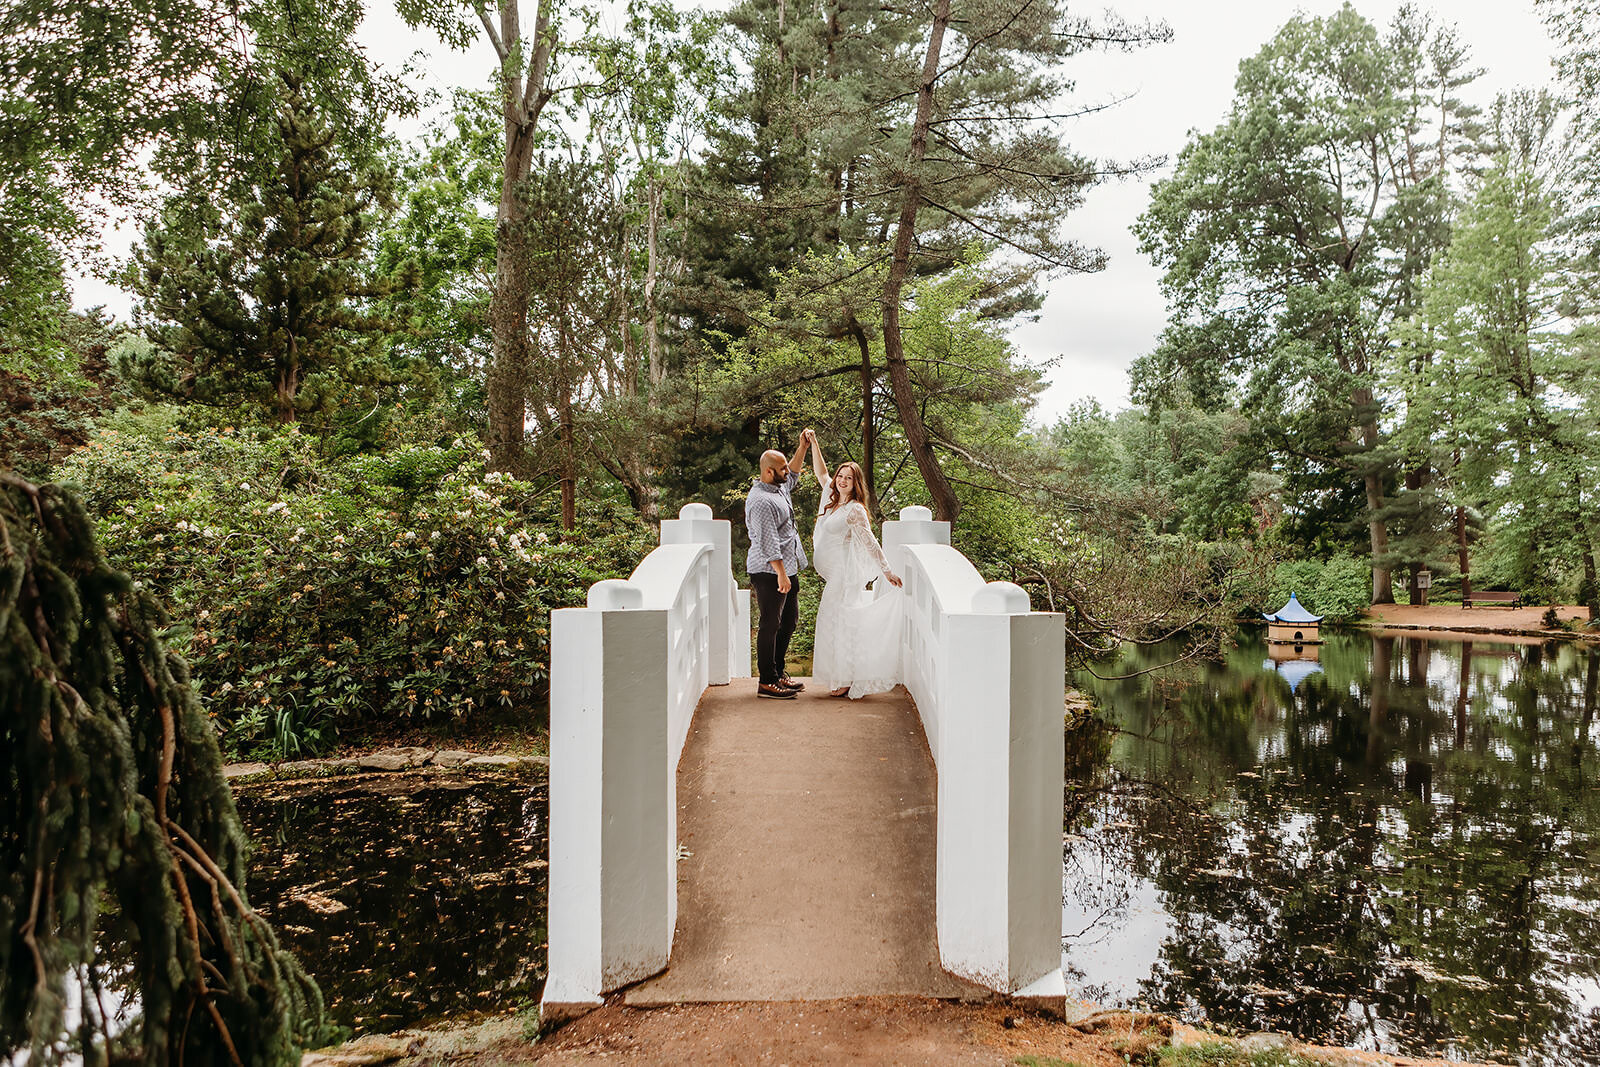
(779, 614)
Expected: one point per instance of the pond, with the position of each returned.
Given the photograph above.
(407, 898)
(1396, 847)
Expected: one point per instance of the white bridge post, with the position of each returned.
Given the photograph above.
(987, 674)
(1000, 789)
(608, 889)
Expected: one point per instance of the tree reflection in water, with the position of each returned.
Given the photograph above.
(1403, 854)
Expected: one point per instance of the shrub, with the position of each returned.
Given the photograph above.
(311, 595)
(1339, 588)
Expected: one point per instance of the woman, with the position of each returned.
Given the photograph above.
(857, 646)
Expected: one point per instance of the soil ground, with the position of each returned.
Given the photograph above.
(1528, 620)
(891, 1031)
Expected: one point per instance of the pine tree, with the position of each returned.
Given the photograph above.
(112, 792)
(261, 300)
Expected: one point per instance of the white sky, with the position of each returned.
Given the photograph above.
(1096, 324)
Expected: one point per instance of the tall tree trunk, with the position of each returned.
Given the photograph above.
(522, 99)
(1586, 549)
(1382, 578)
(288, 381)
(945, 504)
(1463, 559)
(511, 363)
(568, 443)
(652, 270)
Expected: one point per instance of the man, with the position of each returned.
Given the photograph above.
(774, 562)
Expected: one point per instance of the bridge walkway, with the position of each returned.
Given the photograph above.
(806, 833)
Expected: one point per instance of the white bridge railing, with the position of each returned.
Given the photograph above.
(625, 675)
(627, 671)
(988, 674)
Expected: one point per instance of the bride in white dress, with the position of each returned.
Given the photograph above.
(857, 647)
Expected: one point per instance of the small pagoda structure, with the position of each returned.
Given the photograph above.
(1292, 624)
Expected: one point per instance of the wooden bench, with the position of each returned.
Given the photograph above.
(1492, 599)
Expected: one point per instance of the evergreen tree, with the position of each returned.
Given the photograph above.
(111, 790)
(1507, 401)
(871, 143)
(260, 297)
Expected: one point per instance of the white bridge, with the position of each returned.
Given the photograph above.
(628, 672)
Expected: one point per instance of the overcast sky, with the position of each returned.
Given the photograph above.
(1095, 325)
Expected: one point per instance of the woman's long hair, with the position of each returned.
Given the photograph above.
(858, 485)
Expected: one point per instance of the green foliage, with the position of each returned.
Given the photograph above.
(1336, 587)
(116, 819)
(1293, 242)
(315, 595)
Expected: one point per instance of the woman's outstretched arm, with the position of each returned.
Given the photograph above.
(818, 466)
(861, 531)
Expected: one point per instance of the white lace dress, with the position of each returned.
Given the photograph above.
(858, 634)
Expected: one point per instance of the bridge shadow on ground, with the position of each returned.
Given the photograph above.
(807, 834)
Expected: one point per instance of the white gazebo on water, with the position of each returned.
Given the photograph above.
(1292, 624)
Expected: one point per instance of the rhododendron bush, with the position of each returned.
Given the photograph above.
(311, 595)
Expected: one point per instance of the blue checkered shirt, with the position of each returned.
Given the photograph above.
(769, 520)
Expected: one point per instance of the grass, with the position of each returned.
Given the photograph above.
(1043, 1061)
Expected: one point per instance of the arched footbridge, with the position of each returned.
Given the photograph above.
(706, 845)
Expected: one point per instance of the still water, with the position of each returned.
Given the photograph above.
(407, 899)
(1396, 847)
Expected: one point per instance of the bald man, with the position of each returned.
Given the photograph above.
(775, 560)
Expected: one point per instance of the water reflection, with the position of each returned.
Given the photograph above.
(406, 899)
(1401, 851)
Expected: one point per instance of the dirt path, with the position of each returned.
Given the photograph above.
(807, 829)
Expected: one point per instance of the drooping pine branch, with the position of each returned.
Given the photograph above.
(112, 793)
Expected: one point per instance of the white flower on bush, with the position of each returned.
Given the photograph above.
(542, 537)
(245, 486)
(434, 536)
(411, 535)
(276, 507)
(492, 478)
(483, 561)
(210, 532)
(227, 687)
(338, 539)
(128, 510)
